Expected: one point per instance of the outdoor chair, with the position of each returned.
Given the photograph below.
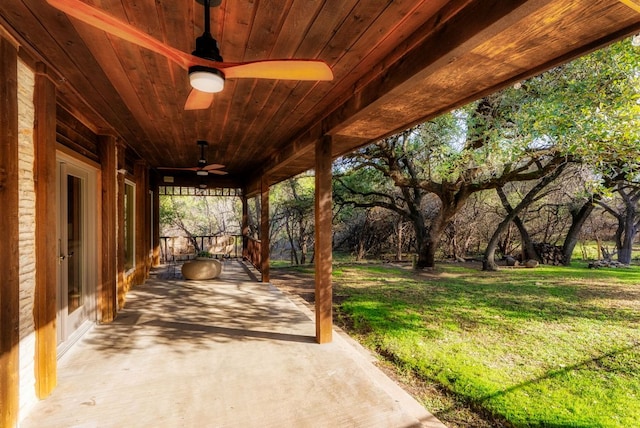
(222, 246)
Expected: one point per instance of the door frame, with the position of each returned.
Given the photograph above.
(89, 173)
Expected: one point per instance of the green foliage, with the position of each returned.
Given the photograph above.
(590, 107)
(292, 204)
(550, 347)
(586, 111)
(199, 215)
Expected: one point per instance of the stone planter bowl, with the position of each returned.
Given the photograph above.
(201, 268)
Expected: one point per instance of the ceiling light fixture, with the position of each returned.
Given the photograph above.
(206, 79)
(202, 172)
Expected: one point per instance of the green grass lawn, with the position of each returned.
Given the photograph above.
(545, 347)
(589, 251)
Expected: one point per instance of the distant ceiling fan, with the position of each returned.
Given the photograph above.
(202, 168)
(207, 71)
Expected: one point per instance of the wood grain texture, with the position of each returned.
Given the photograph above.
(9, 225)
(155, 243)
(45, 311)
(264, 229)
(141, 173)
(633, 4)
(121, 287)
(323, 241)
(395, 64)
(245, 225)
(107, 289)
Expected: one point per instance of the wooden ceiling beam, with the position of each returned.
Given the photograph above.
(465, 28)
(82, 86)
(395, 64)
(437, 52)
(472, 26)
(483, 65)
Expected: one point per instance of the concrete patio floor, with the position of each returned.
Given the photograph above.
(231, 352)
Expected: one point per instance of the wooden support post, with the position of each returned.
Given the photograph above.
(120, 244)
(323, 244)
(9, 225)
(264, 228)
(245, 225)
(107, 289)
(156, 226)
(44, 311)
(141, 224)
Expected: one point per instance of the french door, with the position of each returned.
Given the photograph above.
(76, 252)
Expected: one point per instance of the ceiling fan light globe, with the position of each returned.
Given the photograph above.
(202, 172)
(206, 79)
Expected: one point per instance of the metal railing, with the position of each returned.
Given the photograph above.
(253, 252)
(182, 247)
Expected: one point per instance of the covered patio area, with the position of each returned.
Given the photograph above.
(227, 352)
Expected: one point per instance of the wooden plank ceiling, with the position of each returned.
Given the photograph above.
(396, 63)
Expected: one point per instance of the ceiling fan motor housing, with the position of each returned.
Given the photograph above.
(207, 47)
(207, 79)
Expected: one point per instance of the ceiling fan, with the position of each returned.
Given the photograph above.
(202, 168)
(207, 70)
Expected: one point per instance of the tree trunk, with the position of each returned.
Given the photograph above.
(302, 238)
(625, 247)
(528, 250)
(426, 255)
(292, 245)
(360, 251)
(421, 246)
(627, 226)
(578, 218)
(303, 251)
(399, 238)
(504, 244)
(489, 262)
(424, 243)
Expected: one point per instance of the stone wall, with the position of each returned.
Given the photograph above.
(26, 213)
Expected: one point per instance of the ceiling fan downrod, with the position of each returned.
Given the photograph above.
(207, 79)
(202, 162)
(206, 45)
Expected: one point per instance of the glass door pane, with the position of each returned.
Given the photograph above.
(75, 275)
(77, 257)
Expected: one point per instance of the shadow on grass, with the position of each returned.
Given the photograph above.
(597, 361)
(475, 298)
(376, 300)
(479, 403)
